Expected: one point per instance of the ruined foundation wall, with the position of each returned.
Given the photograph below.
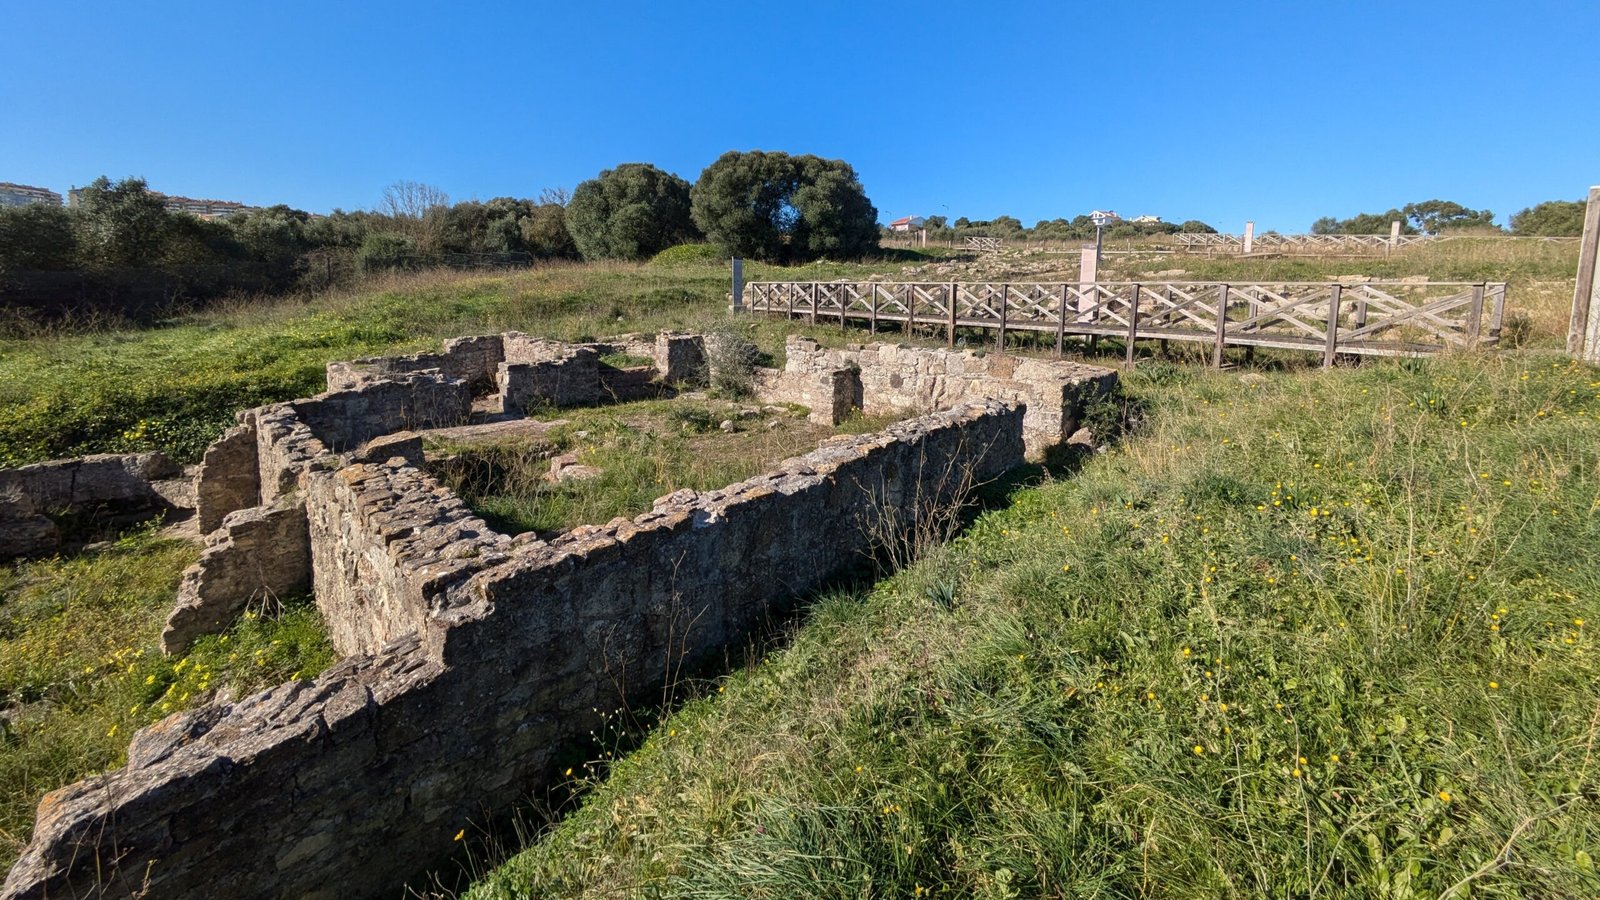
(894, 377)
(471, 359)
(343, 420)
(387, 541)
(336, 787)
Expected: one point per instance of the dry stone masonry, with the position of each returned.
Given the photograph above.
(471, 657)
(107, 489)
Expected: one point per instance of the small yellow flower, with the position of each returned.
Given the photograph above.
(1445, 796)
(461, 834)
(1199, 750)
(1296, 772)
(1333, 758)
(1494, 685)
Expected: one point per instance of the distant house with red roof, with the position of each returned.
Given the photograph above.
(909, 223)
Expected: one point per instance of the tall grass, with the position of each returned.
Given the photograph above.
(1331, 635)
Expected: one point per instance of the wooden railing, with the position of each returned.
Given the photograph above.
(1372, 318)
(1301, 243)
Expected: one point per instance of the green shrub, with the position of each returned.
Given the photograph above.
(687, 253)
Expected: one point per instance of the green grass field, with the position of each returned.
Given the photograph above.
(1329, 635)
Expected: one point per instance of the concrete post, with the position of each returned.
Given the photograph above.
(1088, 274)
(738, 285)
(1583, 333)
(1249, 236)
(1394, 233)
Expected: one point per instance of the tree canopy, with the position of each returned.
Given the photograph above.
(1433, 216)
(776, 207)
(631, 212)
(1552, 218)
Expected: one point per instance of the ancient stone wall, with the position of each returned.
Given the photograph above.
(343, 420)
(90, 490)
(471, 359)
(337, 786)
(895, 377)
(388, 541)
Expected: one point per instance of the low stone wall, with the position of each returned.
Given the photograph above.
(117, 488)
(343, 420)
(341, 785)
(471, 359)
(890, 378)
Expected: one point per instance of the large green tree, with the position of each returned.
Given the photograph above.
(122, 224)
(782, 208)
(1433, 216)
(1552, 218)
(631, 212)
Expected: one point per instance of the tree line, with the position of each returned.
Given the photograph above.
(1552, 218)
(1078, 228)
(769, 206)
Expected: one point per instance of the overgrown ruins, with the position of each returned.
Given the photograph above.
(471, 657)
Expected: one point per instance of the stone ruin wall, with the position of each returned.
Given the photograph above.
(471, 657)
(884, 378)
(108, 488)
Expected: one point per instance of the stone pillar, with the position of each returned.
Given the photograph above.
(1394, 233)
(1583, 333)
(738, 285)
(1249, 236)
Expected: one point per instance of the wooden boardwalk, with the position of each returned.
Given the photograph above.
(1373, 319)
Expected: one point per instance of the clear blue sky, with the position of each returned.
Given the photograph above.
(1280, 111)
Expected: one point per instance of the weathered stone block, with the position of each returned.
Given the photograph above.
(257, 553)
(681, 359)
(229, 479)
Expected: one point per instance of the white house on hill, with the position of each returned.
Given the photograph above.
(909, 223)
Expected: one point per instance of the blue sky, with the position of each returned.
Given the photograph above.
(1280, 112)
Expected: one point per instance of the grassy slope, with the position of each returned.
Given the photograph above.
(1329, 635)
(176, 388)
(81, 667)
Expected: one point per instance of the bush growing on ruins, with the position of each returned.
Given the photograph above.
(782, 208)
(1552, 218)
(631, 212)
(732, 360)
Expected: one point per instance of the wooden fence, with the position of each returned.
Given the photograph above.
(1374, 318)
(1301, 243)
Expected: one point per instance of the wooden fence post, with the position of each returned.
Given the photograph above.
(1005, 293)
(1222, 325)
(1133, 322)
(1583, 332)
(813, 303)
(874, 327)
(911, 310)
(1497, 311)
(844, 301)
(1475, 316)
(1331, 345)
(1061, 320)
(950, 329)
